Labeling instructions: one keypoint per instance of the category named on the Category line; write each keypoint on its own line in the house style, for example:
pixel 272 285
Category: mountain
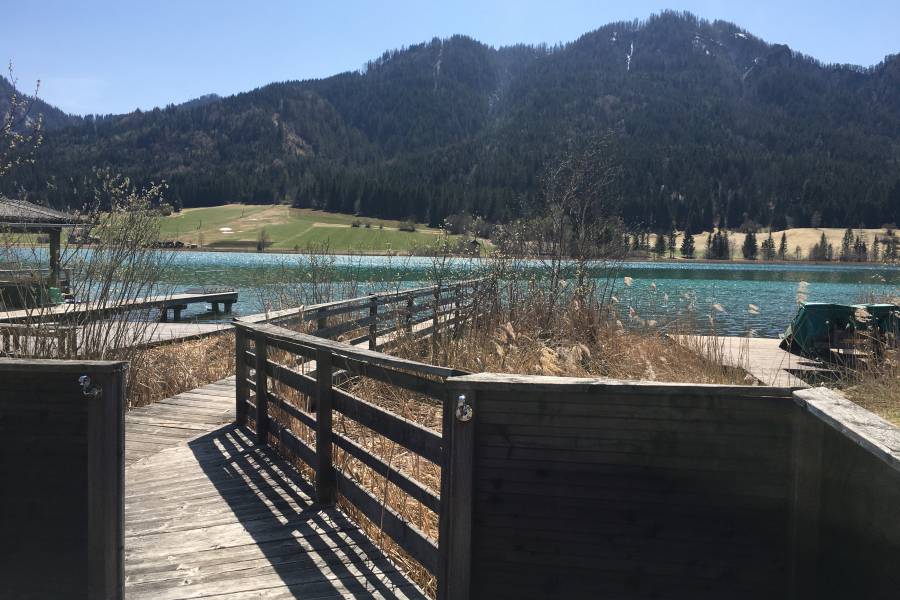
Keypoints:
pixel 710 124
pixel 53 117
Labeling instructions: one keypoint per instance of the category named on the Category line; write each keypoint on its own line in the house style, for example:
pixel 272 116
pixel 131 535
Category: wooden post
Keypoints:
pixel 262 400
pixel 106 486
pixel 437 306
pixel 55 235
pixel 241 389
pixel 456 304
pixel 805 501
pixel 322 320
pixel 325 478
pixel 373 326
pixel 455 527
pixel 409 314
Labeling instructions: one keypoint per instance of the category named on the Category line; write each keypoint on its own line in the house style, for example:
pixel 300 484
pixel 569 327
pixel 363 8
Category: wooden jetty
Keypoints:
pixel 82 310
pixel 760 357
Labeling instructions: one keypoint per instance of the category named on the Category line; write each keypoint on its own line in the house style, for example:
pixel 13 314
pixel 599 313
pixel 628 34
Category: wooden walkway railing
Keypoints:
pixel 279 399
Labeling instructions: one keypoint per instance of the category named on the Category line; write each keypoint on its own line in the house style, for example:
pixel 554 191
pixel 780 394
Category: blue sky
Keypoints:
pixel 98 56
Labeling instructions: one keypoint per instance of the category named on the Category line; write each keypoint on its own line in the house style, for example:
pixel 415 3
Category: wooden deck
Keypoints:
pixel 760 357
pixel 208 513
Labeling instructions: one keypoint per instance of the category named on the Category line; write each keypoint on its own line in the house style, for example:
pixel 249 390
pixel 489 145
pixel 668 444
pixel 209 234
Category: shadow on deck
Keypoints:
pixel 221 517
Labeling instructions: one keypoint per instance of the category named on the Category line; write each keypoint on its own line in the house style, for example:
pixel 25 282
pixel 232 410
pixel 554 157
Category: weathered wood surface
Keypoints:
pixel 61 470
pixel 222 517
pixel 174 421
pixel 592 488
pixel 850 543
pixel 761 357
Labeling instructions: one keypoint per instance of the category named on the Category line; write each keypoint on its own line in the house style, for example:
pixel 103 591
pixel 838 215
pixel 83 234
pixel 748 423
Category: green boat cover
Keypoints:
pixel 817 324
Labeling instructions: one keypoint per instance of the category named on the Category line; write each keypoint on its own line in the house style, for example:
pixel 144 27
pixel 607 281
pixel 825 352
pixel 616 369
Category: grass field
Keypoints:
pixel 237 226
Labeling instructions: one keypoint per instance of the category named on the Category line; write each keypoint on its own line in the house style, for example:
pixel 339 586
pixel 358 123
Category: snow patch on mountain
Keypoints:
pixel 628 57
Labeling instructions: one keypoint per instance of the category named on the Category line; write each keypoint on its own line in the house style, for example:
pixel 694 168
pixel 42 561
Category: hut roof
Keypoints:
pixel 26 215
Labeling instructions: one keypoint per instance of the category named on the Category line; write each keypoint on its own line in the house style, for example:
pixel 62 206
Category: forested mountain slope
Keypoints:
pixel 711 124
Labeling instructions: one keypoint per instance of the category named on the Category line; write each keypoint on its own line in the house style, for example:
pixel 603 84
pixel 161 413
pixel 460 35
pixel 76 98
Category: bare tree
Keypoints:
pixel 21 131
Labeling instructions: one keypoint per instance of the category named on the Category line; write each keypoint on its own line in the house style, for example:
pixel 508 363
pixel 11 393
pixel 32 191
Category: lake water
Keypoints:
pixel 666 292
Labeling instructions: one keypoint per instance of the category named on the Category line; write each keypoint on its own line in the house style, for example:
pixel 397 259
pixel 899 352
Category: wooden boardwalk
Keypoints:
pixel 760 357
pixel 210 514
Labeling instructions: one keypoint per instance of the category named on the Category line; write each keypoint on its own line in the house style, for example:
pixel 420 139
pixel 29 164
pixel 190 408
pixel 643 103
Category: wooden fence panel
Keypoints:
pixel 62 473
pixel 584 490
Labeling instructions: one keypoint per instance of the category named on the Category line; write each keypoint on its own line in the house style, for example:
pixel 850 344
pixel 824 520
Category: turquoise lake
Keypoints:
pixel 666 292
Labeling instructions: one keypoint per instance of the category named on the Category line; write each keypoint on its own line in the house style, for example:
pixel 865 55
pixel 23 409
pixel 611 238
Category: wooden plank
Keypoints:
pixel 404 533
pixel 412 382
pixel 262 388
pixel 105 488
pixel 281 404
pixel 241 373
pixel 412 487
pixel 805 497
pixel 455 566
pixel 868 430
pixel 325 472
pixel 294 444
pixel 409 434
pixel 278 335
pixel 336 330
pixel 598 385
pixel 294 379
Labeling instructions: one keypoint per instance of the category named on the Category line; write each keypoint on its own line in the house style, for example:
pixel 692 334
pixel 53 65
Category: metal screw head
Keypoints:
pixel 464 410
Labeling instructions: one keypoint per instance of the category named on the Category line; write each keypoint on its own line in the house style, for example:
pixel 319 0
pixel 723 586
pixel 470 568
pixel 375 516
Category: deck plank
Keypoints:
pixel 760 357
pixel 210 514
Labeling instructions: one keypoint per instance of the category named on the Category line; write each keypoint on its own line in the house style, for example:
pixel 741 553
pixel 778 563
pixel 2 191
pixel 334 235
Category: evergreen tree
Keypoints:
pixel 783 246
pixel 847 245
pixel 687 245
pixel 822 250
pixel 768 248
pixel 673 240
pixel 750 249
pixel 860 249
pixel 719 247
pixel 659 248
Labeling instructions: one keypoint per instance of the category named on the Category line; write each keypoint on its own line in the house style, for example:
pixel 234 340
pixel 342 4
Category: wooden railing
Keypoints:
pixel 381 314
pixel 291 402
pixel 46 340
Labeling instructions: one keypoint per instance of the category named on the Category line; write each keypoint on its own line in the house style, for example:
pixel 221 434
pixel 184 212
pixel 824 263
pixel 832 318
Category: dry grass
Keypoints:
pixel 879 393
pixel 170 369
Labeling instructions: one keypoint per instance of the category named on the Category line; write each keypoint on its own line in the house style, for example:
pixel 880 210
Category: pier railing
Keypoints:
pixel 287 390
pixel 420 311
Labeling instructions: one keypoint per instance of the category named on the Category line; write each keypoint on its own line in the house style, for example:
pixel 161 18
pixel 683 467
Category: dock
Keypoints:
pixel 67 313
pixel 762 358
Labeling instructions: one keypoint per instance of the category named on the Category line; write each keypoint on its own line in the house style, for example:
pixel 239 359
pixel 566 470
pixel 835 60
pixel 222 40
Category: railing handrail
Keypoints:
pixel 283 338
pixel 384 298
